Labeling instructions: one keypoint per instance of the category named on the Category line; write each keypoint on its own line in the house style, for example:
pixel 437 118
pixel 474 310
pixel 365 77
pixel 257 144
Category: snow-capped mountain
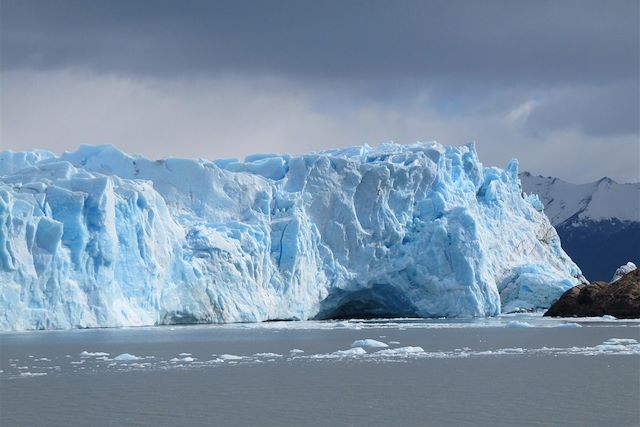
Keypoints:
pixel 598 222
pixel 97 237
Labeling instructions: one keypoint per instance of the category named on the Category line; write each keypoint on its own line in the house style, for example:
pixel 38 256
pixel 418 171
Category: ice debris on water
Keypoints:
pixel 100 238
pixel 350 352
pixel 93 354
pixel 124 357
pixel 230 357
pixel 400 351
pixel 569 325
pixel 182 359
pixel 518 324
pixel 369 343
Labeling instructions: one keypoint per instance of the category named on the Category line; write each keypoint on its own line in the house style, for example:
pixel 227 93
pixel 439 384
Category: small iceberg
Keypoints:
pixel 400 351
pixel 357 351
pixel 230 357
pixel 518 324
pixel 124 357
pixel 93 354
pixel 369 343
pixel 183 359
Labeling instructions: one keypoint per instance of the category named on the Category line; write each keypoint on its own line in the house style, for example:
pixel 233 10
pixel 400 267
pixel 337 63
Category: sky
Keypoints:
pixel 555 84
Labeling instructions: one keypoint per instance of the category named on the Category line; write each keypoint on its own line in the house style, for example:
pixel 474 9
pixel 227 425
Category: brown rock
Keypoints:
pixel 620 299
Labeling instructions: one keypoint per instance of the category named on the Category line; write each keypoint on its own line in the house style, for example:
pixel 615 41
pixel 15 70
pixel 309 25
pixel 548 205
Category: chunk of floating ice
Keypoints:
pixel 618 346
pixel 368 343
pixel 400 351
pixel 569 325
pixel 518 324
pixel 230 357
pixel 183 359
pixel 351 352
pixel 126 357
pixel 93 354
pixel 394 342
pixel 32 374
pixel 184 354
pixel 623 341
pixel 347 325
pixel 267 355
pixel 139 365
pixel 296 351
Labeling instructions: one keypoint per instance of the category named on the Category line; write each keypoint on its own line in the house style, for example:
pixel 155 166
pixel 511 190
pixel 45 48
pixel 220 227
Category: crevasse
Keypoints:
pixel 99 238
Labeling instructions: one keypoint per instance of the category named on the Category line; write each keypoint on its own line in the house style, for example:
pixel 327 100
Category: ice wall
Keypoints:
pixel 96 237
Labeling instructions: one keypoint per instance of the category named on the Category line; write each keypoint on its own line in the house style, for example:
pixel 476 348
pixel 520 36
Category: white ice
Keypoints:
pixel 230 357
pixel 93 354
pixel 126 357
pixel 99 238
pixel 350 352
pixel 368 343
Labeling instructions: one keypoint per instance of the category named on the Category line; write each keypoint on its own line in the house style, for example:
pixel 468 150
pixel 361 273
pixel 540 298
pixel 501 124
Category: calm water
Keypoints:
pixel 522 370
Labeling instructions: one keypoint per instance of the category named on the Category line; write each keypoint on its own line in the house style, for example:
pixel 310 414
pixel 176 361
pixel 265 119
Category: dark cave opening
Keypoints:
pixel 378 301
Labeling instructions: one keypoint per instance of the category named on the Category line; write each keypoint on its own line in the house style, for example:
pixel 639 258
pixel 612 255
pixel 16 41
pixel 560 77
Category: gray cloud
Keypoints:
pixel 229 117
pixel 595 110
pixel 490 42
pixel 543 81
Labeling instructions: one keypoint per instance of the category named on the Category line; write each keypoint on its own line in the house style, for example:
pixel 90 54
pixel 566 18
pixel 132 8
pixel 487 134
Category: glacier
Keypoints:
pixel 100 238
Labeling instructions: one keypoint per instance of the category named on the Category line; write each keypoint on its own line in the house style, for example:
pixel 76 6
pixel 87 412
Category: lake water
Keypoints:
pixel 513 370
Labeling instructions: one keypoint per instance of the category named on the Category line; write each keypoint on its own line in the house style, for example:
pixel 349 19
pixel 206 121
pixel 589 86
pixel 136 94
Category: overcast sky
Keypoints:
pixel 555 84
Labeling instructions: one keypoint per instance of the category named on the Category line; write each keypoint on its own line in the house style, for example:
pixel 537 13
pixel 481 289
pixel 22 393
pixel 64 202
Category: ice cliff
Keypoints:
pixel 97 237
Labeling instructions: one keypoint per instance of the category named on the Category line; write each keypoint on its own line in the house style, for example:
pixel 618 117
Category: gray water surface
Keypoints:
pixel 508 371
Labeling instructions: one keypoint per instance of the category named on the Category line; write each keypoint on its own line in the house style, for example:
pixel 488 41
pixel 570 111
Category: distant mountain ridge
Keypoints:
pixel 598 222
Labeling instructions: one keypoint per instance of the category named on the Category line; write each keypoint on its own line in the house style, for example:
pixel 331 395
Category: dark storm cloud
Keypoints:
pixel 451 43
pixel 598 111
pixel 554 83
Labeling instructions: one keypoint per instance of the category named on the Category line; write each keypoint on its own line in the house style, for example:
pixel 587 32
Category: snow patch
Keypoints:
pixel 622 270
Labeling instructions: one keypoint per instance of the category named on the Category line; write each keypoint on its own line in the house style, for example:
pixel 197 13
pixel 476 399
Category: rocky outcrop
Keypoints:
pixel 620 299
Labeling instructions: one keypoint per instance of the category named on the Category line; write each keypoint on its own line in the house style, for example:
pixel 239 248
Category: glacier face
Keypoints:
pixel 97 238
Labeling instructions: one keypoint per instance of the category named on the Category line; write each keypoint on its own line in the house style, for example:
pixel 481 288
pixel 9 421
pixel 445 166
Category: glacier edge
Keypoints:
pixel 99 238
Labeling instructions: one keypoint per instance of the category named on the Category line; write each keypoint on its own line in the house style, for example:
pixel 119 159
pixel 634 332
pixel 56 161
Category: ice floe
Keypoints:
pixel 369 343
pixel 230 357
pixel 124 357
pixel 93 354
